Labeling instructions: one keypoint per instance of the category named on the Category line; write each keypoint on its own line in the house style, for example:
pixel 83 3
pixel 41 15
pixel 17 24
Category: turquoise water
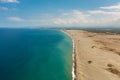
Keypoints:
pixel 29 54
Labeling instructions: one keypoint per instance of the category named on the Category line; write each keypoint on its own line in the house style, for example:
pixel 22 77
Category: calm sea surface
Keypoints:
pixel 29 54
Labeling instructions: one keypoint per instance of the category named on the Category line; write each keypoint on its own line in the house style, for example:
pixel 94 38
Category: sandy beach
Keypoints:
pixel 97 55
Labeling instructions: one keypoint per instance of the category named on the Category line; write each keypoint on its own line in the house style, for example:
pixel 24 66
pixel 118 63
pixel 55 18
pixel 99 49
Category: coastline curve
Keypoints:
pixel 73 57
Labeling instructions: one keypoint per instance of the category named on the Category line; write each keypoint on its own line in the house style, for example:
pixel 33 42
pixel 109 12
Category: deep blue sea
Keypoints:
pixel 34 54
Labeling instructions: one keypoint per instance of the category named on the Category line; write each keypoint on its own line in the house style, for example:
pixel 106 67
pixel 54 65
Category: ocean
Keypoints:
pixel 35 54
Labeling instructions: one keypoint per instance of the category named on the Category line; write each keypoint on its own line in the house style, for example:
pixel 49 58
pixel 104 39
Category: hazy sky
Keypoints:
pixel 95 13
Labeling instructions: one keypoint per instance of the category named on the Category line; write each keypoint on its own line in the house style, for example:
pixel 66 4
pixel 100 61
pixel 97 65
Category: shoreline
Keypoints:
pixel 73 56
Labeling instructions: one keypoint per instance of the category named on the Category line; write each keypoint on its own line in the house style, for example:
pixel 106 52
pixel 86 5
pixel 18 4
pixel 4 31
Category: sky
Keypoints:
pixel 67 13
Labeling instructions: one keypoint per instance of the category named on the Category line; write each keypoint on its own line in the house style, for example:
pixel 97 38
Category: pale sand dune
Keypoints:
pixel 97 55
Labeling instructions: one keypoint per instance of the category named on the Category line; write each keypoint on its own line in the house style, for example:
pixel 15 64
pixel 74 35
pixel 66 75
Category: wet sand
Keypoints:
pixel 97 55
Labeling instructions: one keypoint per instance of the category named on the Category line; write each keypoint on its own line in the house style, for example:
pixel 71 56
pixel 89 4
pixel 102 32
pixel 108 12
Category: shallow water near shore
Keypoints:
pixel 30 54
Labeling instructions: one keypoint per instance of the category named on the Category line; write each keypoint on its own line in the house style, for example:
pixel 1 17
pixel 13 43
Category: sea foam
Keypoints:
pixel 73 56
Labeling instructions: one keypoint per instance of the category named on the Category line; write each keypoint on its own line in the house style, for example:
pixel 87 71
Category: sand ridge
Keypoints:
pixel 97 55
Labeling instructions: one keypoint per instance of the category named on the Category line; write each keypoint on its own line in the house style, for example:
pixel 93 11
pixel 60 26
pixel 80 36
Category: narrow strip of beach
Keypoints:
pixel 96 55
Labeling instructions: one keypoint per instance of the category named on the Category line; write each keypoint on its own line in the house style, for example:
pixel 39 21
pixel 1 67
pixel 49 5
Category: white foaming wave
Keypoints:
pixel 73 57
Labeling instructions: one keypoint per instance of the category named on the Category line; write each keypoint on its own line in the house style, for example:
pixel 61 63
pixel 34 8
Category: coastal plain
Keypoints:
pixel 97 55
